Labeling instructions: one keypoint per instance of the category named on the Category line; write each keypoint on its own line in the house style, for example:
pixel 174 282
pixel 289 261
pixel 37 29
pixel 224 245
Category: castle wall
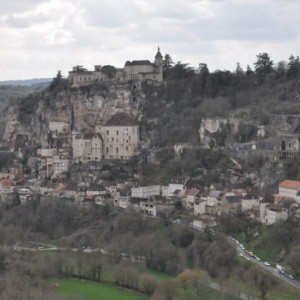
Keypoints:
pixel 137 70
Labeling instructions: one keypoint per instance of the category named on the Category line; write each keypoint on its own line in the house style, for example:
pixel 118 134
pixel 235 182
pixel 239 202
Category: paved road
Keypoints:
pixel 269 269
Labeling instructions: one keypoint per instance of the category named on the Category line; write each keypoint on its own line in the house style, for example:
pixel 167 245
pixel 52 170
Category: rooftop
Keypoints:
pixel 138 63
pixel 121 119
pixel 290 184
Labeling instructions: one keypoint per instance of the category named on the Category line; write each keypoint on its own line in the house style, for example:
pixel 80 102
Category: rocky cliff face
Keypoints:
pixel 82 108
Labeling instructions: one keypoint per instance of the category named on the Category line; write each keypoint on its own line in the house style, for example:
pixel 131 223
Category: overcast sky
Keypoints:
pixel 40 37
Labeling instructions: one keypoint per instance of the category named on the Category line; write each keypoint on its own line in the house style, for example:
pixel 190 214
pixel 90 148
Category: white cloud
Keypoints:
pixel 39 37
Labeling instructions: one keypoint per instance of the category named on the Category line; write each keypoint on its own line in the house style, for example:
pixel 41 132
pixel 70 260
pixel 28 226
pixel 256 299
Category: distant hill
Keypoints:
pixel 12 90
pixel 27 82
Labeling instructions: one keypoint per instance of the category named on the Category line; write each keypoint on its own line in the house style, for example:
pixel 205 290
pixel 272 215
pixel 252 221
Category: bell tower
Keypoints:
pixel 158 63
pixel 158 58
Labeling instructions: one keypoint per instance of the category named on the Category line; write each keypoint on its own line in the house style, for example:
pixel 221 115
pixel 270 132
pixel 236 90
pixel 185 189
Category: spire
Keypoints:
pixel 158 54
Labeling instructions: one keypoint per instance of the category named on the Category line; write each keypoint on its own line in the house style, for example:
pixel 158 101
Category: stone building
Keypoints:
pixel 59 127
pixel 144 192
pixel 271 213
pixel 136 70
pixel 57 165
pixel 87 146
pixel 290 189
pixel 120 137
pixel 289 144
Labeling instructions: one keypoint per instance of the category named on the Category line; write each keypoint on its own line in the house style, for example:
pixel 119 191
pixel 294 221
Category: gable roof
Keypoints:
pixel 191 192
pixel 233 199
pixel 138 63
pixel 214 193
pixel 274 207
pixel 290 184
pixel 121 119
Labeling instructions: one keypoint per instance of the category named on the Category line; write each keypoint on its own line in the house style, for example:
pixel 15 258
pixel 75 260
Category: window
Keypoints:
pixel 117 132
pixel 107 132
pixel 112 139
pixel 117 150
pixel 107 149
pixel 126 148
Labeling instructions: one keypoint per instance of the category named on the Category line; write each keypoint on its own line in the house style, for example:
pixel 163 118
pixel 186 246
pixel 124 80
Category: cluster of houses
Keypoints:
pixel 117 139
pixel 204 204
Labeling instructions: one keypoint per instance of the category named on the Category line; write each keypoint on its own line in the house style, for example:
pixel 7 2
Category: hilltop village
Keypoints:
pixel 84 141
pixel 156 165
pixel 83 137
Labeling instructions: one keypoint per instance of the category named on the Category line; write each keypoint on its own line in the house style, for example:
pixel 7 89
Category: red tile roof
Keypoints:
pixel 7 182
pixel 290 184
pixel 191 192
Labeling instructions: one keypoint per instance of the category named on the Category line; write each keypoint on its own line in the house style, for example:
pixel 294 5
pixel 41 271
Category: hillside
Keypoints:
pixel 191 113
pixel 26 82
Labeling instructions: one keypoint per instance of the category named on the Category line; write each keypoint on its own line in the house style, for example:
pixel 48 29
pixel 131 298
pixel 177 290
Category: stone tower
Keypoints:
pixel 159 64
pixel 158 58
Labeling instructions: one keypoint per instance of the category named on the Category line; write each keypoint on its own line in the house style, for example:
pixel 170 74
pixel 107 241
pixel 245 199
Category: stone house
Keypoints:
pixel 288 144
pixel 148 207
pixel 271 213
pixel 144 192
pixel 136 70
pixel 213 203
pixel 205 221
pixel 231 203
pixel 87 146
pixel 250 202
pixel 200 207
pixel 122 202
pixel 290 189
pixel 121 137
pixel 190 196
pixel 60 165
pixel 168 191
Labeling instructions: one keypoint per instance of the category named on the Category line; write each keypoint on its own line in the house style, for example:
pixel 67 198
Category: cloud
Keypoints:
pixel 17 6
pixel 48 35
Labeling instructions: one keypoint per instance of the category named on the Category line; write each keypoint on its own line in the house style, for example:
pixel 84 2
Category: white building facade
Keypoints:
pixel 144 192
pixel 120 137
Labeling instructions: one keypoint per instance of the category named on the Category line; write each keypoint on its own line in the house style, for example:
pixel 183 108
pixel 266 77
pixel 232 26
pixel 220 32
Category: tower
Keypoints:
pixel 158 58
pixel 158 63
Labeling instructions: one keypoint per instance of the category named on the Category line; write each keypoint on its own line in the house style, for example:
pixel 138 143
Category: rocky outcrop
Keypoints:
pixel 82 108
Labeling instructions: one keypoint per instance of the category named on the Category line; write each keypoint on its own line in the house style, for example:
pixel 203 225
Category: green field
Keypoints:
pixel 95 291
pixel 159 275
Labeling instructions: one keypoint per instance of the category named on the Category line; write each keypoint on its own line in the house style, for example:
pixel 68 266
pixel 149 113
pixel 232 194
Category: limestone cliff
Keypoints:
pixel 82 108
